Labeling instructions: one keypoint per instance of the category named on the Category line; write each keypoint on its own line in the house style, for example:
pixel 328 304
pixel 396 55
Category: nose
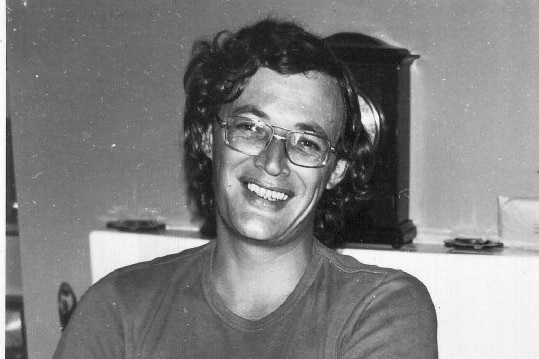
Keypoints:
pixel 274 160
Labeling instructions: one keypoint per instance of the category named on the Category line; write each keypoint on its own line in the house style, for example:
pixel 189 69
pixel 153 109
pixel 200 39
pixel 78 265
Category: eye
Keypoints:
pixel 309 143
pixel 243 124
pixel 246 127
pixel 305 143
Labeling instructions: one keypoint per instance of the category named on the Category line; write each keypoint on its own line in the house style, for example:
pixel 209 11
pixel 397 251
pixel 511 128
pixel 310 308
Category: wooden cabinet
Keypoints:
pixel 383 76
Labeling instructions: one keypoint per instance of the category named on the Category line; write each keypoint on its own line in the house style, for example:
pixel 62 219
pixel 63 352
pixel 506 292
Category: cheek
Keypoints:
pixel 315 183
pixel 225 168
pixel 219 153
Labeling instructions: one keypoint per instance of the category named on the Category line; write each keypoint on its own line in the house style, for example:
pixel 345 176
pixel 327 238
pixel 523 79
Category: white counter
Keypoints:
pixel 487 304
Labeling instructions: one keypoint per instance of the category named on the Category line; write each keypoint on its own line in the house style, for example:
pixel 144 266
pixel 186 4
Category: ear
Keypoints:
pixel 207 142
pixel 337 174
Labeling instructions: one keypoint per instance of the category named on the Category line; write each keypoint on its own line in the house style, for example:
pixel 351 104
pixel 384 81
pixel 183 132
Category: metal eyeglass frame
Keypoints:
pixel 223 124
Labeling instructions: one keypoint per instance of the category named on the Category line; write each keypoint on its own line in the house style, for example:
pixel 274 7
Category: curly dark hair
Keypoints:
pixel 218 73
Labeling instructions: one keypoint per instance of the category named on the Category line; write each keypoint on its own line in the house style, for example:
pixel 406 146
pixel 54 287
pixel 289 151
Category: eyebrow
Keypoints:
pixel 312 128
pixel 252 109
pixel 249 109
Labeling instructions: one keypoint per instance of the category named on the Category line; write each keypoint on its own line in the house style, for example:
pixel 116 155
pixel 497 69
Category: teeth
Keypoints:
pixel 266 193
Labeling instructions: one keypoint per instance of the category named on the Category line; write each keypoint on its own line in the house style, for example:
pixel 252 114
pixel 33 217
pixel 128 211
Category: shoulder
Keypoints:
pixel 161 265
pixel 381 312
pixel 116 311
pixel 371 283
pixel 142 281
pixel 345 267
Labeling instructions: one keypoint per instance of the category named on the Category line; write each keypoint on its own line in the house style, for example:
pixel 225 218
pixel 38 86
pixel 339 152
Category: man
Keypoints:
pixel 275 149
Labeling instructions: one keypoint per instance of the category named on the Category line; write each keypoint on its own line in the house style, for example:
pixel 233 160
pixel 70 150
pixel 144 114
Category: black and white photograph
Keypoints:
pixel 354 179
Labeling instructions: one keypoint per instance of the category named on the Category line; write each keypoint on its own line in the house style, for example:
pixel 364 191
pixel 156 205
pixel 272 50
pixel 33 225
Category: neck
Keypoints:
pixel 252 277
pixel 291 250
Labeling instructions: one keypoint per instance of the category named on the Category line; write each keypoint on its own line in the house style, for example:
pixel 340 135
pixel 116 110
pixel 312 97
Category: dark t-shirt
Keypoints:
pixel 167 308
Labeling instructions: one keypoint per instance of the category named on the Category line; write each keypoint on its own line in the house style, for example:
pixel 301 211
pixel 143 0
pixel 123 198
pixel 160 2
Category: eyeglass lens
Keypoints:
pixel 252 137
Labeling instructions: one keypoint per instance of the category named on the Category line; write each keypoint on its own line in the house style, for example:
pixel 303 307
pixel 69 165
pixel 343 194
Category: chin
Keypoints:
pixel 264 234
pixel 259 231
pixel 250 225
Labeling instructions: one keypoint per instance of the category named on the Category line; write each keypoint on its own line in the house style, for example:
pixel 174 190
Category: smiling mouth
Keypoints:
pixel 267 194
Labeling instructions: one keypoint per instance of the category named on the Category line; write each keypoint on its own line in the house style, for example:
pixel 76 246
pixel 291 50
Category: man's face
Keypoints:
pixel 267 197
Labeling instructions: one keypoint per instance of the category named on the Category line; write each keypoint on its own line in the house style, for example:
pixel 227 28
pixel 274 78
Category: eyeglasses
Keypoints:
pixel 252 137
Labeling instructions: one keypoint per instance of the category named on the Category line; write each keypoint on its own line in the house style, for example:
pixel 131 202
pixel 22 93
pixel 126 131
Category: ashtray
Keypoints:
pixel 137 225
pixel 472 243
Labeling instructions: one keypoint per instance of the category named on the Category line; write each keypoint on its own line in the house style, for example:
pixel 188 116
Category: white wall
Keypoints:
pixel 475 103
pixel 97 101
